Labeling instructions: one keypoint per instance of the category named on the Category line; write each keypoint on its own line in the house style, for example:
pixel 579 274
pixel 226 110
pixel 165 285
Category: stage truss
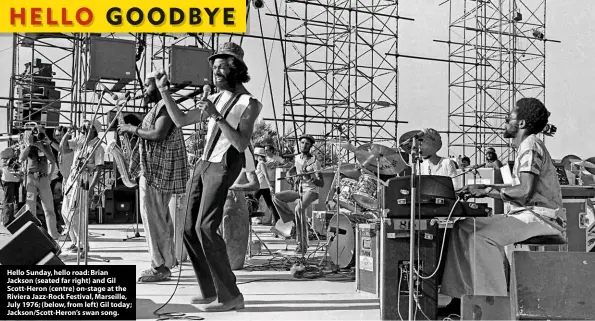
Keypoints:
pixel 340 82
pixel 498 53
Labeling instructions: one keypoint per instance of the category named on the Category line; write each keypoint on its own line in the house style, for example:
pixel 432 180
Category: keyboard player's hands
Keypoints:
pixel 473 191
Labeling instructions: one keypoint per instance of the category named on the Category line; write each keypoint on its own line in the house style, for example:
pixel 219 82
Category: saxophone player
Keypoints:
pixel 160 163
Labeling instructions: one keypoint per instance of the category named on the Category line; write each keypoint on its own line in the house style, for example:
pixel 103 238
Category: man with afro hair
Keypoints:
pixel 475 259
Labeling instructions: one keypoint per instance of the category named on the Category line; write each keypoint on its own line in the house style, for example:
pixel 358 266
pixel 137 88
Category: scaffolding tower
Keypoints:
pixel 497 52
pixel 339 80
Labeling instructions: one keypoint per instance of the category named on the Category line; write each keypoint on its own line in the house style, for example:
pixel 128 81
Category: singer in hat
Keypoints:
pixel 160 163
pixel 231 114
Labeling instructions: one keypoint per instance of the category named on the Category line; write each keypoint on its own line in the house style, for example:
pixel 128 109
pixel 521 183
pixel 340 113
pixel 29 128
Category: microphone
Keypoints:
pixel 416 136
pixel 206 91
pixel 478 166
pixel 122 96
pixel 115 96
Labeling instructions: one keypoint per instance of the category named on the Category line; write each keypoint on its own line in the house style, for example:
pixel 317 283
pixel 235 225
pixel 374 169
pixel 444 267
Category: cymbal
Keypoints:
pixel 349 170
pixel 431 142
pixel 373 156
pixel 584 163
pixel 567 161
pixel 590 160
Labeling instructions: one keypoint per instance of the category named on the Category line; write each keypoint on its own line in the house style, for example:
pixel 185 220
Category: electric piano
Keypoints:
pixel 436 197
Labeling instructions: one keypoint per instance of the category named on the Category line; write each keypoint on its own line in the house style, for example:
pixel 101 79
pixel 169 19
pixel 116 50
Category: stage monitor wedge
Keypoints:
pixel 190 66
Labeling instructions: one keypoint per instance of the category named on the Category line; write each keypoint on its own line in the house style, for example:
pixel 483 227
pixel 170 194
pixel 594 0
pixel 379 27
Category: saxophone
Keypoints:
pixel 122 154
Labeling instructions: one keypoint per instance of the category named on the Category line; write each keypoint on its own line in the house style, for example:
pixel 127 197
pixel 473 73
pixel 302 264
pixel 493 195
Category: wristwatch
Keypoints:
pixel 218 117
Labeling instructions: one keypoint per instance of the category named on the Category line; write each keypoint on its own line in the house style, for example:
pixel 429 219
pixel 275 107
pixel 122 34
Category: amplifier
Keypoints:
pixel 367 258
pixel 580 224
pixel 552 286
pixel 394 269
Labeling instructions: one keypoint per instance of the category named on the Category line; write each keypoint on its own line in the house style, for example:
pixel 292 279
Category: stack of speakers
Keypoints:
pixel 38 101
pixel 29 243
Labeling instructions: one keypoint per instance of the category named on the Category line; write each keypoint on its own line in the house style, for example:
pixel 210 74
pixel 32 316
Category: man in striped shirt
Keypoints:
pixel 474 263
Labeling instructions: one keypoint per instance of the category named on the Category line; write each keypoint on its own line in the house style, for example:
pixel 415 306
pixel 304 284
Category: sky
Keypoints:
pixel 423 85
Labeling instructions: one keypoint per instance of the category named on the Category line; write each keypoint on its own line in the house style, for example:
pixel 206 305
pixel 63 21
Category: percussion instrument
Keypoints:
pixel 431 142
pixel 365 192
pixel 381 159
pixel 585 164
pixel 341 230
pixel 235 228
pixel 591 170
pixel 568 160
pixel 347 187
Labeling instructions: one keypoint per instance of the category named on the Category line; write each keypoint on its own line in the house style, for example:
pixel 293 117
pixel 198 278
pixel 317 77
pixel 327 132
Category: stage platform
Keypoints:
pixel 269 294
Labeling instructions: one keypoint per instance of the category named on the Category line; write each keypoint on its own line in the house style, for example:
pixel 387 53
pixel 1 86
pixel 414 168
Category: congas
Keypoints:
pixel 341 229
pixel 346 188
pixel 365 192
pixel 235 228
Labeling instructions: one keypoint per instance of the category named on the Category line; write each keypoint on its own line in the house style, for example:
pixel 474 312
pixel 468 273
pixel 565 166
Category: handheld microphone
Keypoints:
pixel 206 91
pixel 122 96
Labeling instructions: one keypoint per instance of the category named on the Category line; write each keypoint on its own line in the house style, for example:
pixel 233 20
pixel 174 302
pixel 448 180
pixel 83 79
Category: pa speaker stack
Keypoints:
pixel 29 244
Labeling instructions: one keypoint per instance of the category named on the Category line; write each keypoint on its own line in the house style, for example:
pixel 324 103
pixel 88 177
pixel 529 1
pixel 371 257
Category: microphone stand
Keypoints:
pixel 415 161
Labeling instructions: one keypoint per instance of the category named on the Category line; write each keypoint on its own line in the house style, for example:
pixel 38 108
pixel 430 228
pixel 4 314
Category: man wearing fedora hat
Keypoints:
pixel 232 112
pixel 307 192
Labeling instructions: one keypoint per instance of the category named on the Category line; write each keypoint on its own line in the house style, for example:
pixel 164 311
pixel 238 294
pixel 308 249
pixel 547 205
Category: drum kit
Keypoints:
pixel 356 194
pixel 582 170
pixel 357 189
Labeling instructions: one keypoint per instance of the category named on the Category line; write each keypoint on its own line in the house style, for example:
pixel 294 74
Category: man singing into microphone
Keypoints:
pixel 160 163
pixel 232 113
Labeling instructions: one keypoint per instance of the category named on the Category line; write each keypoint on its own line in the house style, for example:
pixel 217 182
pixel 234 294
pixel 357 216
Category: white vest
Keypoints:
pixel 233 119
